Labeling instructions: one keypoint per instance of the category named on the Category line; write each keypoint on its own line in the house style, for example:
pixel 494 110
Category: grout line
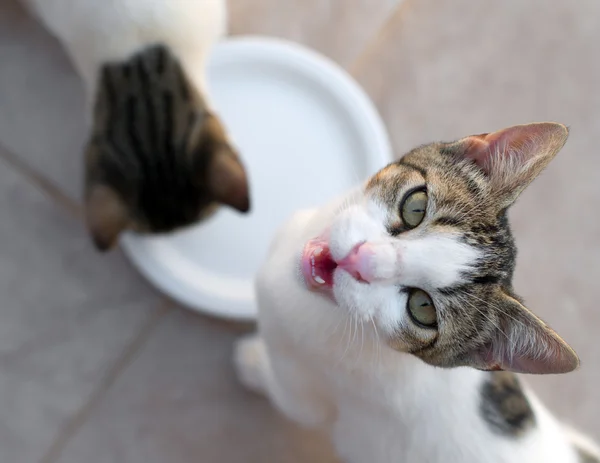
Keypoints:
pixel 40 181
pixel 376 38
pixel 123 361
pixel 237 326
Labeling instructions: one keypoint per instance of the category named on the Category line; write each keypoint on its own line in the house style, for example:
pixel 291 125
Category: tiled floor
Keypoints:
pixel 96 367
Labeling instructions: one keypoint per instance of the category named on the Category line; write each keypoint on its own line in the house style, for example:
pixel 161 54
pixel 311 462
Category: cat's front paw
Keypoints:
pixel 251 363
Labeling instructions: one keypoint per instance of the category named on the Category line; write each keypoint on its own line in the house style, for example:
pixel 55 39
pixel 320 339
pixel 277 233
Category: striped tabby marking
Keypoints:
pixel 504 406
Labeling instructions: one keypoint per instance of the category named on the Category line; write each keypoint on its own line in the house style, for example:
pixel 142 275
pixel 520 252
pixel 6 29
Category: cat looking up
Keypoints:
pixel 158 158
pixel 388 317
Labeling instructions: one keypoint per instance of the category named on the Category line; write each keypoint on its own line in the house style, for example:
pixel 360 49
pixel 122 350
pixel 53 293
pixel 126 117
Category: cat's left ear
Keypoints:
pixel 227 181
pixel 522 343
pixel 106 216
pixel 225 175
pixel 513 157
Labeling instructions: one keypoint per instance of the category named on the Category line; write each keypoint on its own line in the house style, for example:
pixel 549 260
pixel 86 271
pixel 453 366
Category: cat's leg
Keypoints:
pixel 252 363
pixel 285 383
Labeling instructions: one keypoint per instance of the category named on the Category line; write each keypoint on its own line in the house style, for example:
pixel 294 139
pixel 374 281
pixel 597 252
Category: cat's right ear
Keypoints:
pixel 106 216
pixel 225 175
pixel 522 343
pixel 228 183
pixel 511 158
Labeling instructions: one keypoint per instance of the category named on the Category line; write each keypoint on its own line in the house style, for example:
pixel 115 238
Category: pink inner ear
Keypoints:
pixel 495 147
pixel 544 353
pixel 478 150
pixel 520 142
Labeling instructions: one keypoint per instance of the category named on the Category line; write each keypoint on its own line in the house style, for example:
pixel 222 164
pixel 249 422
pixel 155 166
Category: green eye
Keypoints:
pixel 421 308
pixel 413 208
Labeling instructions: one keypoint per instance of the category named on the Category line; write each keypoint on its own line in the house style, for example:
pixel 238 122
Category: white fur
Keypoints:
pixel 418 259
pixel 325 365
pixel 96 31
pixel 434 260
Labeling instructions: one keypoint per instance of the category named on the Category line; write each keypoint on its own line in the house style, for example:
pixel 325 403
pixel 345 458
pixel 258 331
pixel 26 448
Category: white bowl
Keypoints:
pixel 306 133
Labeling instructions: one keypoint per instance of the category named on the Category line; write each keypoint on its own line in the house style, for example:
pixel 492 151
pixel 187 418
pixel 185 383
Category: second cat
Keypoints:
pixel 158 157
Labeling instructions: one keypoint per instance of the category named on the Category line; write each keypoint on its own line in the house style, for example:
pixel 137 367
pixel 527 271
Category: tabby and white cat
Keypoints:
pixel 389 318
pixel 158 158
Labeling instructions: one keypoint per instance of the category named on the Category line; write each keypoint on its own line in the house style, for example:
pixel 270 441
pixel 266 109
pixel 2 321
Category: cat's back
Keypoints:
pixel 95 31
pixel 144 17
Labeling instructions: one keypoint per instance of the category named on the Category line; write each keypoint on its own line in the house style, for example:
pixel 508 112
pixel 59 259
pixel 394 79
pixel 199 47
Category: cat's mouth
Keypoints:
pixel 318 265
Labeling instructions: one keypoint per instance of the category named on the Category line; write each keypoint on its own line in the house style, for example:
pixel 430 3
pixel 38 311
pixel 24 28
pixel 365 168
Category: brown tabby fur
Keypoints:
pixel 504 405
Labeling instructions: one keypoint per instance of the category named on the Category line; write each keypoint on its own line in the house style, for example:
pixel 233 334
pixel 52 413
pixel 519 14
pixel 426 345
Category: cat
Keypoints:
pixel 158 158
pixel 388 317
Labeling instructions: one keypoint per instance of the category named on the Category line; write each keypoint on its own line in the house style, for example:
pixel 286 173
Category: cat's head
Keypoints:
pixel 428 255
pixel 158 159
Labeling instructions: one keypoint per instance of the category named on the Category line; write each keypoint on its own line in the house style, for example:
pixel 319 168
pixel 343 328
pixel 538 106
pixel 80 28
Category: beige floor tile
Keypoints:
pixel 338 28
pixel 41 100
pixel 179 402
pixel 443 70
pixel 44 387
pixel 51 277
pixel 66 315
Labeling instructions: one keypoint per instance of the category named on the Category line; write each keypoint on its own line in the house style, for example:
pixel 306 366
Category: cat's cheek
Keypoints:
pixel 366 301
pixel 379 212
pixel 391 317
pixel 398 343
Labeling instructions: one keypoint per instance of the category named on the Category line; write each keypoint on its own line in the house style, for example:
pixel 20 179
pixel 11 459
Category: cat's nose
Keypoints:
pixel 372 262
pixel 360 262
